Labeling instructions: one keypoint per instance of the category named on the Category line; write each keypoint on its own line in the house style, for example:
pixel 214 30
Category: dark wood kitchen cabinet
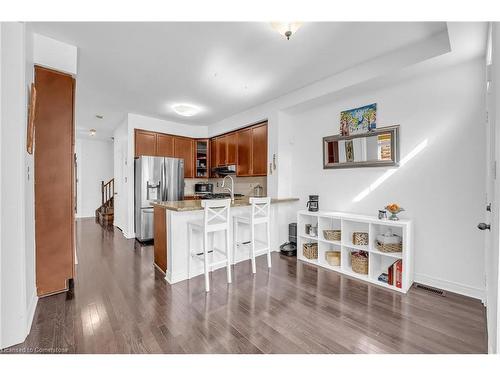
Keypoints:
pixel 231 148
pixel 244 165
pixel 145 143
pixel 184 149
pixel 164 145
pixel 54 181
pixel 213 156
pixel 221 144
pixel 259 150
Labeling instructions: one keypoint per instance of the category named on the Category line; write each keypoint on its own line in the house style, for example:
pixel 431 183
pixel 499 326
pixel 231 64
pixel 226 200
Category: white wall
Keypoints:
pixel 15 295
pixel 95 164
pixel 54 54
pixel 441 187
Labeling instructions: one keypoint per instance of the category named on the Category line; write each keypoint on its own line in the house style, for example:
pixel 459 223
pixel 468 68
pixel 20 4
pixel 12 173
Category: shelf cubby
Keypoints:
pixel 378 262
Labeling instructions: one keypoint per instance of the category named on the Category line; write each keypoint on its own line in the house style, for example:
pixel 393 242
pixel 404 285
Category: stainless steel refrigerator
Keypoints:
pixel 156 178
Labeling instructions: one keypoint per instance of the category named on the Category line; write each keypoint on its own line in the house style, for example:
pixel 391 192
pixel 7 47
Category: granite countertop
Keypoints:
pixel 194 205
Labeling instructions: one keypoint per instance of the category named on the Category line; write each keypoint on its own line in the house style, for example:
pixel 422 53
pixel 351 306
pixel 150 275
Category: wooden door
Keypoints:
pixel 213 156
pixel 145 143
pixel 244 162
pixel 184 149
pixel 54 172
pixel 231 148
pixel 259 150
pixel 164 145
pixel 221 150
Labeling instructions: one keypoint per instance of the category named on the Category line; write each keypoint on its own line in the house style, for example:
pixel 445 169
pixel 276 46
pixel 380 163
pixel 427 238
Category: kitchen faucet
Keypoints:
pixel 231 189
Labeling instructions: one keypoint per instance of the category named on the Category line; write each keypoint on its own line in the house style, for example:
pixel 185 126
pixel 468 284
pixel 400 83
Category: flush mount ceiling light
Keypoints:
pixel 286 28
pixel 186 110
pixel 100 117
pixel 92 132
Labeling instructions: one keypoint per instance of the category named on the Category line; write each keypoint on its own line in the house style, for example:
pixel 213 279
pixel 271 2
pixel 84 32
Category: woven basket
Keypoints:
pixel 359 263
pixel 310 250
pixel 333 258
pixel 332 234
pixel 389 247
pixel 360 238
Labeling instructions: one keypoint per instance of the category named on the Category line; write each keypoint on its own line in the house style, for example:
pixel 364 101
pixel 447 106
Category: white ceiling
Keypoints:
pixel 222 67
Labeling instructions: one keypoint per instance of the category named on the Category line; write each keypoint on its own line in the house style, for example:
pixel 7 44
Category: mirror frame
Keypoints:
pixel 394 162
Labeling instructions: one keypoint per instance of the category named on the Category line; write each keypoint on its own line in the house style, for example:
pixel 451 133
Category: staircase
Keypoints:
pixel 105 213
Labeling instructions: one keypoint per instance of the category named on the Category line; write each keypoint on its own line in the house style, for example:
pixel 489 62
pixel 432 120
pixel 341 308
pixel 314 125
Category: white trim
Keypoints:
pixel 128 236
pixel 451 286
pixel 31 312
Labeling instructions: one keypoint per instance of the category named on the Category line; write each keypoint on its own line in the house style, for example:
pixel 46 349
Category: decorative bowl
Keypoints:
pixel 394 209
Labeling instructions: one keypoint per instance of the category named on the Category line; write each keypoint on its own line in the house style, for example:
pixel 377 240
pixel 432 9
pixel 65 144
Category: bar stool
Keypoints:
pixel 259 215
pixel 215 219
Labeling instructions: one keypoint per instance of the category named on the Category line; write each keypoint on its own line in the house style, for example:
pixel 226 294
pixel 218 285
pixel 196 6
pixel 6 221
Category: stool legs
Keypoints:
pixel 205 259
pixel 268 244
pixel 252 246
pixel 228 256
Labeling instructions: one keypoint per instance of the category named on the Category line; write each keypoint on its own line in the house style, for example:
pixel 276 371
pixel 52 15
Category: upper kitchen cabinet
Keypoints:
pixel 164 145
pixel 145 143
pixel 213 156
pixel 231 148
pixel 244 165
pixel 202 157
pixel 259 150
pixel 221 145
pixel 184 149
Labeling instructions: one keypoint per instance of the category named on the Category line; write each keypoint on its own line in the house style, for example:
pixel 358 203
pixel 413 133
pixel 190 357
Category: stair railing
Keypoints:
pixel 107 192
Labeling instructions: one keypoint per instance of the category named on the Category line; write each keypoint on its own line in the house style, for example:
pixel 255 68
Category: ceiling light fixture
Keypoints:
pixel 286 28
pixel 186 110
pixel 100 117
pixel 92 132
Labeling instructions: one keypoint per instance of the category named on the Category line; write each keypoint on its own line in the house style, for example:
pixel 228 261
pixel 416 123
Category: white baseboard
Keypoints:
pixel 128 236
pixel 451 286
pixel 31 312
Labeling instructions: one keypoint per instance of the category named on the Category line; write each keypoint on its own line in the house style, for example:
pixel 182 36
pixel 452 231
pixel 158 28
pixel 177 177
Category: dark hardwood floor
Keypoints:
pixel 121 304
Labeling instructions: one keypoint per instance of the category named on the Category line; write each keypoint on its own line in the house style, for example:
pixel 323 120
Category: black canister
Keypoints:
pixel 313 203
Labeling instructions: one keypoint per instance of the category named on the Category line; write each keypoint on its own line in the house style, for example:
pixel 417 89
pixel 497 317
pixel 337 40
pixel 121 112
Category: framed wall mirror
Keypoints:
pixel 377 148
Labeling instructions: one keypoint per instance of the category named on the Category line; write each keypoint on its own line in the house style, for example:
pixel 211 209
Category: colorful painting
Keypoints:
pixel 358 120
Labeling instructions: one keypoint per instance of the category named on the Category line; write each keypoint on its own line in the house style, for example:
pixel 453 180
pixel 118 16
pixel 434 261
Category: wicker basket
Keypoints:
pixel 310 250
pixel 333 258
pixel 359 263
pixel 360 238
pixel 389 247
pixel 331 234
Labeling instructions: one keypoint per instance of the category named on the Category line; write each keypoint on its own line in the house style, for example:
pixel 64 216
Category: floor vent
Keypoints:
pixel 432 290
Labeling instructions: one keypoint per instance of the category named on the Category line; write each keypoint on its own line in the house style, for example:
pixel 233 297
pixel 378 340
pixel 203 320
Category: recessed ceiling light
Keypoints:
pixel 100 117
pixel 186 109
pixel 286 28
pixel 92 132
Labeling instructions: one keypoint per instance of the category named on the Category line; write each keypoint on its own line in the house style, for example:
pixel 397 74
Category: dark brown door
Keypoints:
pixel 231 142
pixel 244 138
pixel 145 143
pixel 259 150
pixel 184 149
pixel 164 145
pixel 221 150
pixel 213 156
pixel 54 211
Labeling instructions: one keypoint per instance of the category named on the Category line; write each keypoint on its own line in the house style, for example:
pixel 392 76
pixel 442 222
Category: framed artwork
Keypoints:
pixel 31 120
pixel 358 120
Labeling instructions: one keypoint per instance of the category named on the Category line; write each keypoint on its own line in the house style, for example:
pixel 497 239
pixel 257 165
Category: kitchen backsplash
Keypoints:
pixel 242 185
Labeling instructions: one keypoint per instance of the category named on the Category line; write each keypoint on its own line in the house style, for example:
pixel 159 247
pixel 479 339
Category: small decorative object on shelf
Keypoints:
pixel 382 214
pixel 333 258
pixel 383 277
pixel 389 242
pixel 332 234
pixel 359 262
pixel 360 238
pixel 313 231
pixel 310 250
pixel 394 209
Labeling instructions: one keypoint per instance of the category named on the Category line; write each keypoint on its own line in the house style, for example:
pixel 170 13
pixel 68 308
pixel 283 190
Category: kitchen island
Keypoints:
pixel 171 252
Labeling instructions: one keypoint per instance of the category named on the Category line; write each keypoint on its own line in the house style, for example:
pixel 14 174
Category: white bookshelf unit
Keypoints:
pixel 378 261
